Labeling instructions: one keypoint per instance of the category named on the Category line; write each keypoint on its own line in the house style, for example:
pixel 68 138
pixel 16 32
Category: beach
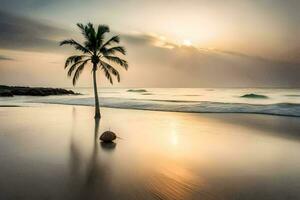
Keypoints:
pixel 149 100
pixel 53 152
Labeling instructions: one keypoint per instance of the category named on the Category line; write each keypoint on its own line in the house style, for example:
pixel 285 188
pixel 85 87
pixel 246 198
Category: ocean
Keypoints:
pixel 285 102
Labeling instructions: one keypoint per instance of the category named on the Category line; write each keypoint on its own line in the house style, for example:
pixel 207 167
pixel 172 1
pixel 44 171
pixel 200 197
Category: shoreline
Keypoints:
pixel 254 120
pixel 227 101
pixel 154 110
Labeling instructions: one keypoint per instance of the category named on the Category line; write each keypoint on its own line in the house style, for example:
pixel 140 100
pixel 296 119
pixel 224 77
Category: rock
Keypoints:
pixel 6 93
pixel 254 96
pixel 36 92
pixel 108 136
pixel 19 92
pixel 136 90
pixel 33 91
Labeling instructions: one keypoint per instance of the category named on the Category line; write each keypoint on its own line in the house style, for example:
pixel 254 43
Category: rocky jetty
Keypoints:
pixel 10 91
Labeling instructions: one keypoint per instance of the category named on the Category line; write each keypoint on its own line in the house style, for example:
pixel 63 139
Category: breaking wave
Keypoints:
pixel 283 109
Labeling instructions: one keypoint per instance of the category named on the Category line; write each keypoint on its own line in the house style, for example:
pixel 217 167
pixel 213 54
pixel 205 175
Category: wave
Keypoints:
pixel 282 109
pixel 292 95
pixel 167 100
pixel 189 95
pixel 147 93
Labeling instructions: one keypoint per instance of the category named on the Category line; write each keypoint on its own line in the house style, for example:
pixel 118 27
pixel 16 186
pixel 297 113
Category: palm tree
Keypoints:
pixel 99 52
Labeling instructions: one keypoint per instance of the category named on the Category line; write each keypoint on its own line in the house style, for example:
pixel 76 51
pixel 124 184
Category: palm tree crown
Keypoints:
pixel 97 51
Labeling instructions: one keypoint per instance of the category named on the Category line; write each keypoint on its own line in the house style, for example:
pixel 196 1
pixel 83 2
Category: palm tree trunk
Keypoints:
pixel 97 107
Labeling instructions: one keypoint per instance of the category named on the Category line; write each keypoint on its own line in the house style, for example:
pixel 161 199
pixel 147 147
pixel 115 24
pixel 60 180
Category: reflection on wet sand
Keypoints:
pixel 87 177
pixel 174 181
pixel 108 146
pixel 170 181
pixel 161 155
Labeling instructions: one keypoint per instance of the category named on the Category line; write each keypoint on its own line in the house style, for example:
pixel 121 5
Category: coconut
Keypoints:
pixel 108 136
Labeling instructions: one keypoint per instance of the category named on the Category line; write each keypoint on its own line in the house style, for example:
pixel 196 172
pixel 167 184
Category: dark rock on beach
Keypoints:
pixel 9 91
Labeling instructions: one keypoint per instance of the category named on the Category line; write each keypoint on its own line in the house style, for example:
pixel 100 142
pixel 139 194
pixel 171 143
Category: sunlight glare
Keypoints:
pixel 187 42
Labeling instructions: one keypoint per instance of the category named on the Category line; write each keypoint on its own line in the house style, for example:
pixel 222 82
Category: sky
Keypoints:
pixel 191 43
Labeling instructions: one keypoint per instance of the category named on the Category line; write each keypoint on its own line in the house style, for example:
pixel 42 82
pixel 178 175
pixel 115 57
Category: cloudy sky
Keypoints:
pixel 182 43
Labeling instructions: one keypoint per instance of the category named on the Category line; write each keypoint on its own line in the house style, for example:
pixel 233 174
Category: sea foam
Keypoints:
pixel 283 109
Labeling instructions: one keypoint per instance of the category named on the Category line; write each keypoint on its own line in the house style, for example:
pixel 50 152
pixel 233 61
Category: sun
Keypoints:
pixel 187 42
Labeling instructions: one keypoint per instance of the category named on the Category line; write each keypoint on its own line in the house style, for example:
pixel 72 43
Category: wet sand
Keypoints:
pixel 53 152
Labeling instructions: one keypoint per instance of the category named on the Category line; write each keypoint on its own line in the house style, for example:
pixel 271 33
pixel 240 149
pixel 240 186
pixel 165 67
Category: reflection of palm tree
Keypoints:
pixel 91 168
pixel 74 151
pixel 97 51
pixel 87 178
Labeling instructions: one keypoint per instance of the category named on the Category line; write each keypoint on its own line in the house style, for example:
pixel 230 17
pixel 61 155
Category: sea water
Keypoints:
pixel 278 101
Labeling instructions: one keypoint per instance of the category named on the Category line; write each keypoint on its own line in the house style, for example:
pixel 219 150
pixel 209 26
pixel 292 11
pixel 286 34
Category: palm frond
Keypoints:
pixel 102 29
pixel 112 40
pixel 73 59
pixel 86 30
pixel 75 65
pixel 79 71
pixel 73 68
pixel 76 45
pixel 89 33
pixel 107 74
pixel 92 35
pixel 81 27
pixel 89 45
pixel 110 69
pixel 113 50
pixel 117 60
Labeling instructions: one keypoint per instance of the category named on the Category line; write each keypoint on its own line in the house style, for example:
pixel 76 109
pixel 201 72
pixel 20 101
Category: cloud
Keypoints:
pixel 162 42
pixel 157 62
pixel 184 66
pixel 22 33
